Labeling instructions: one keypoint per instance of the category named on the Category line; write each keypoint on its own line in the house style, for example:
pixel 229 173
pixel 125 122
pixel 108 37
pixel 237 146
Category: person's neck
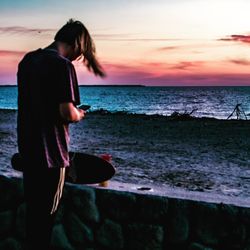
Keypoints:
pixel 53 46
pixel 60 48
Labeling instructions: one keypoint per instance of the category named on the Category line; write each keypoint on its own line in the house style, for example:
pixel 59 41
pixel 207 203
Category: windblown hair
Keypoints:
pixel 76 34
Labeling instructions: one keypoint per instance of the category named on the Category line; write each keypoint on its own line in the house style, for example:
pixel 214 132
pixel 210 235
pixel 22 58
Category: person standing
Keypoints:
pixel 48 96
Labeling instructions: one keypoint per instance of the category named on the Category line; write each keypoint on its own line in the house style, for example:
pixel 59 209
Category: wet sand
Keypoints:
pixel 206 155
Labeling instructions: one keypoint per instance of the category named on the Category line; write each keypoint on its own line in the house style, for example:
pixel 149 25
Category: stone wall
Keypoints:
pixel 101 218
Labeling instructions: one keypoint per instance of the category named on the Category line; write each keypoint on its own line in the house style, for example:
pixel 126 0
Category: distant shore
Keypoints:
pixel 92 85
pixel 142 85
pixel 198 154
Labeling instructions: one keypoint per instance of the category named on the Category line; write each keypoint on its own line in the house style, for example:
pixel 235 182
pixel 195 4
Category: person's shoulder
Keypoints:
pixel 28 57
pixel 30 54
pixel 58 59
pixel 64 63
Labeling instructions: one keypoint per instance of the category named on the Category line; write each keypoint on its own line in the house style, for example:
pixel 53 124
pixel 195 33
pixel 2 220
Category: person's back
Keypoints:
pixel 44 79
pixel 47 102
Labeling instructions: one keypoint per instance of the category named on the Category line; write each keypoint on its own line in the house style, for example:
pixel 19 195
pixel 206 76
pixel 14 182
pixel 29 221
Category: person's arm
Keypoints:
pixel 70 113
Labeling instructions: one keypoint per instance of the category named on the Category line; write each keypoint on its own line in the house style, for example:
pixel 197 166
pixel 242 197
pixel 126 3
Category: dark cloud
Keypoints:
pixel 148 39
pixel 186 65
pixel 123 70
pixel 240 61
pixel 24 30
pixel 107 37
pixel 168 48
pixel 237 38
pixel 111 36
pixel 147 73
pixel 129 38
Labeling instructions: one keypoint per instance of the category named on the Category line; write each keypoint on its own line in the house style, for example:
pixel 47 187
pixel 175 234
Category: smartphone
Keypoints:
pixel 84 107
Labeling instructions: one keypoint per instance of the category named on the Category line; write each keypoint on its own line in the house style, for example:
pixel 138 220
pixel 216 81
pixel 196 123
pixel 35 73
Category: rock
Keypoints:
pixel 10 244
pixel 233 236
pixel 83 203
pixel 78 233
pixel 177 229
pixel 59 214
pixel 18 183
pixel 233 231
pixel 229 212
pixel 150 208
pixel 197 246
pixel 11 192
pixel 119 206
pixel 59 238
pixel 63 206
pixel 110 235
pixel 6 219
pixel 66 194
pixel 244 216
pixel 20 221
pixel 218 225
pixel 206 223
pixel 177 224
pixel 143 236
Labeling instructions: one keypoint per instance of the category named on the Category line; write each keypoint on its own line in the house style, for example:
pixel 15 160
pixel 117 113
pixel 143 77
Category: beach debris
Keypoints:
pixel 101 111
pixel 122 112
pixel 185 115
pixel 239 112
pixel 144 189
pixel 231 191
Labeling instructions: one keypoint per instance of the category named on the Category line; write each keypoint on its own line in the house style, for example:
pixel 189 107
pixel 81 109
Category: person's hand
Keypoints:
pixel 70 113
pixel 81 113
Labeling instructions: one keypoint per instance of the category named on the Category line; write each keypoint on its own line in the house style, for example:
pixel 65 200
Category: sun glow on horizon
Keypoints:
pixel 144 42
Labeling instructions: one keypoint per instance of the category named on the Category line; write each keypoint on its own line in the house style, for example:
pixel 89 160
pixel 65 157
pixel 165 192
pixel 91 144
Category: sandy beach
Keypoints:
pixel 206 155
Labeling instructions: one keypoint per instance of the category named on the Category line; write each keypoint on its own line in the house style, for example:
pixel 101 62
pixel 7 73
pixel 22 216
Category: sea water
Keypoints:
pixel 217 102
pixel 227 171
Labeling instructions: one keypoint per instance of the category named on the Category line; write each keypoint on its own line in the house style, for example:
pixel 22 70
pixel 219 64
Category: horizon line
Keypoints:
pixel 139 85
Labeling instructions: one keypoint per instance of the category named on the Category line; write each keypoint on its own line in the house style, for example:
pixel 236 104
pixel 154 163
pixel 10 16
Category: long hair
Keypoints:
pixel 76 34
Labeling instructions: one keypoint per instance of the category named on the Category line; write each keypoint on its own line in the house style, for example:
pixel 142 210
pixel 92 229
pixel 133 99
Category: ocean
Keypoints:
pixel 207 155
pixel 217 102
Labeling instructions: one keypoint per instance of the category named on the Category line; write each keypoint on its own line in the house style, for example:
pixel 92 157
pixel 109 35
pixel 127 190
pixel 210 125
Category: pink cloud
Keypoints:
pixel 6 53
pixel 146 75
pixel 200 80
pixel 9 61
pixel 156 73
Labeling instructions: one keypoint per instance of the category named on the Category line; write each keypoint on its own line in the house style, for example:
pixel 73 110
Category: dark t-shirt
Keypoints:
pixel 45 79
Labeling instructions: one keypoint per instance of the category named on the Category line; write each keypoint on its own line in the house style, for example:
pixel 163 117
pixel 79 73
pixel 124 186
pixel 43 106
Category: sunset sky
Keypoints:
pixel 149 42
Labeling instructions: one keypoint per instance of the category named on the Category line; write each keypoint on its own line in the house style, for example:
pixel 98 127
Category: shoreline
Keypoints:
pixel 205 155
pixel 182 117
